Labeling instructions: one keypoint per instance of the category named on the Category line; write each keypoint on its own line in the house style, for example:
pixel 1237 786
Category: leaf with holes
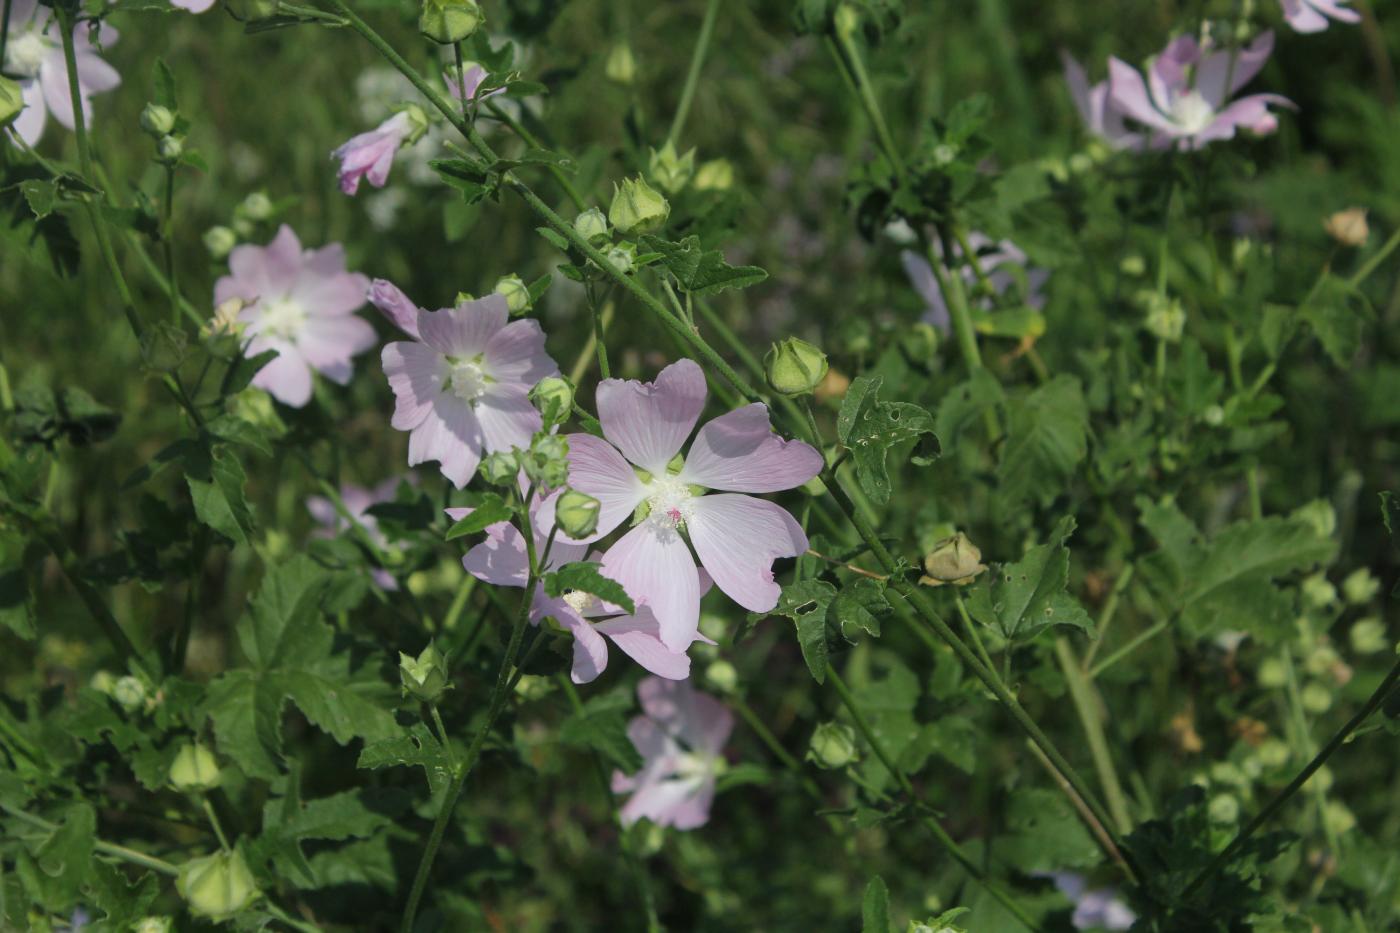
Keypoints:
pixel 869 428
pixel 1022 599
pixel 807 604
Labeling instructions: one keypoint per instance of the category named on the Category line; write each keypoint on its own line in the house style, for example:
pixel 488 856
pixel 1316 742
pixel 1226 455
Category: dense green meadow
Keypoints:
pixel 1034 565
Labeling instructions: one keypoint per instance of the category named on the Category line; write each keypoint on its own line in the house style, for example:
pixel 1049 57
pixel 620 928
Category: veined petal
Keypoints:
pixel 395 305
pixel 649 421
pixel 739 452
pixel 1128 93
pixel 415 375
pixel 737 538
pixel 516 353
pixel 656 569
pixel 507 418
pixel 466 329
pixel 287 378
pixel 639 637
pixel 596 468
pixel 450 435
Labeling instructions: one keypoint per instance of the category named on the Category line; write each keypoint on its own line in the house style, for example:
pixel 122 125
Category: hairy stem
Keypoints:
pixel 692 76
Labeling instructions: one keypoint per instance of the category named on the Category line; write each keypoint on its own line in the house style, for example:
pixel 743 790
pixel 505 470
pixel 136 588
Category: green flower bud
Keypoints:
pixel 833 745
pixel 1339 819
pixel 169 149
pixel 517 295
pixel 637 207
pixel 546 463
pixel 622 257
pixel 715 175
pixel 620 65
pixel 577 513
pixel 554 397
pixel 1227 772
pixel 1223 808
pixel 1133 265
pixel 671 171
pixel 157 121
pixel 129 693
pixel 1321 660
pixel 103 682
pixel 194 768
pixel 722 677
pixel 794 367
pixel 1165 319
pixel 1272 673
pixel 1316 698
pixel 533 687
pixel 954 560
pixel 1320 514
pixel 220 241
pixel 500 468
pixel 449 21
pixel 217 886
pixel 592 226
pixel 1080 162
pixel 425 676
pixel 847 20
pixel 1318 591
pixel 11 101
pixel 256 206
pixel 1359 588
pixel 1368 636
pixel 153 925
pixel 462 298
pixel 1273 753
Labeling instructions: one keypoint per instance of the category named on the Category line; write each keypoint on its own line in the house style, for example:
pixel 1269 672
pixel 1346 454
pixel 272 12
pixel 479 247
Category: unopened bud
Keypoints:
pixel 715 175
pixel 1368 636
pixel 794 367
pixel 1359 588
pixel 1165 319
pixel 722 676
pixel 833 745
pixel 425 676
pixel 1315 698
pixel 220 241
pixel 546 463
pixel 622 257
pixel 577 513
pixel 954 560
pixel 129 693
pixel 637 207
pixel 156 120
pixel 194 768
pixel 1272 673
pixel 1348 227
pixel 217 886
pixel 500 468
pixel 449 21
pixel 554 397
pixel 155 924
pixel 169 149
pixel 256 206
pixel 533 687
pixel 1223 808
pixel 621 66
pixel 670 170
pixel 516 293
pixel 592 226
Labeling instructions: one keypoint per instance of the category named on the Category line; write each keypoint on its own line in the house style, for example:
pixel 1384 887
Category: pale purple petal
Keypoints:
pixel 287 377
pixel 328 343
pixel 738 538
pixel 415 375
pixel 649 421
pixel 396 306
pixel 1213 70
pixel 697 719
pixel 466 329
pixel 193 6
pixel 639 637
pixel 596 468
pixel 508 420
pixel 590 649
pixel 655 567
pixel 516 353
pixel 501 559
pixel 920 273
pixel 739 452
pixel 29 125
pixel 450 435
pixel 1128 93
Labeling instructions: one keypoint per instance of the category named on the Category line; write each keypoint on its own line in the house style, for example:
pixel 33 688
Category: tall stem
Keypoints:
pixel 845 40
pixel 692 76
pixel 168 243
pixel 1086 706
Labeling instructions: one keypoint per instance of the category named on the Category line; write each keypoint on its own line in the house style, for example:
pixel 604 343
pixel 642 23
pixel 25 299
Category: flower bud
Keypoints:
pixel 194 768
pixel 1273 753
pixel 153 925
pixel 833 745
pixel 500 468
pixel 715 175
pixel 129 693
pixel 517 295
pixel 794 367
pixel 103 681
pixel 1315 697
pixel 546 463
pixel 449 21
pixel 1133 265
pixel 847 20
pixel 554 397
pixel 1339 819
pixel 533 687
pixel 156 120
pixel 1359 588
pixel 954 560
pixel 637 207
pixel 852 334
pixel 722 677
pixel 425 676
pixel 1318 591
pixel 1223 808
pixel 1272 673
pixel 169 149
pixel 11 101
pixel 1348 227
pixel 592 226
pixel 1368 636
pixel 577 513
pixel 256 206
pixel 220 241
pixel 217 886
pixel 671 171
pixel 622 257
pixel 1320 514
pixel 621 66
pixel 1165 319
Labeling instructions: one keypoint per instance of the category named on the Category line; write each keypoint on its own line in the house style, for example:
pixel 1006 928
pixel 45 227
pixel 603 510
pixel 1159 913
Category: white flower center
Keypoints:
pixel 579 601
pixel 25 52
pixel 465 379
pixel 698 765
pixel 668 503
pixel 1192 112
pixel 282 318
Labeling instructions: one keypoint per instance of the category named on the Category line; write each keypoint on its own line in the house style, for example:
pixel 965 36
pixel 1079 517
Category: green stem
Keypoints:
pixel 214 822
pixel 533 142
pixel 587 352
pixel 108 848
pixel 1377 698
pixel 598 343
pixel 168 244
pixel 1110 608
pixel 1146 635
pixel 866 92
pixel 67 562
pixel 1086 706
pixel 459 602
pixel 1376 258
pixel 692 76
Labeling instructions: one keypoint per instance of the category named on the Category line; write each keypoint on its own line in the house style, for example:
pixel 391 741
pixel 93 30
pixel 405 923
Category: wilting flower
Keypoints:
pixel 1313 15
pixel 1095 108
pixel 737 537
pixel 34 57
pixel 501 560
pixel 1189 103
pixel 302 304
pixel 357 501
pixel 996 261
pixel 463 384
pixel 681 740
pixel 371 155
pixel 1097 909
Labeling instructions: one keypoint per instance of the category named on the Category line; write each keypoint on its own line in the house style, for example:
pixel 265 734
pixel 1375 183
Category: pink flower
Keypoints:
pixel 34 57
pixel 996 260
pixel 1100 118
pixel 371 155
pixel 681 739
pixel 1098 909
pixel 472 77
pixel 1313 15
pixel 302 304
pixel 357 500
pixel 501 560
pixel 1188 105
pixel 737 537
pixel 463 384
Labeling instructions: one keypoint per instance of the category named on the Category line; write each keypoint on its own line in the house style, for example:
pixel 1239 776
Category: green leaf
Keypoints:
pixel 875 908
pixel 40 195
pixel 602 727
pixel 163 84
pixel 806 604
pixel 1046 438
pixel 216 479
pixel 700 271
pixel 490 510
pixel 17 603
pixel 965 403
pixel 1046 834
pixel 55 869
pixel 122 903
pixel 242 370
pixel 586 577
pixel 1336 313
pixel 869 427
pixel 859 605
pixel 419 748
pixel 1022 599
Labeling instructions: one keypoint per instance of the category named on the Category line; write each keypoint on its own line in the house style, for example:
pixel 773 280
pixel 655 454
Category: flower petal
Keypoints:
pixel 1128 93
pixel 466 329
pixel 516 353
pixel 395 305
pixel 1213 71
pixel 655 568
pixel 415 375
pixel 697 719
pixel 328 343
pixel 739 452
pixel 507 418
pixel 649 421
pixel 287 378
pixel 596 468
pixel 450 435
pixel 738 538
pixel 500 559
pixel 639 637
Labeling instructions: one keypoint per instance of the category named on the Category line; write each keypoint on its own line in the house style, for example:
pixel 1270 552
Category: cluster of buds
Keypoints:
pixel 255 209
pixel 164 126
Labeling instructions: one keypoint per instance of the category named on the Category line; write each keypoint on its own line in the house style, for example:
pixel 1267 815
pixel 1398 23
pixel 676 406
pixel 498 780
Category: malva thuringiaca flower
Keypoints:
pixel 681 740
pixel 1185 100
pixel 301 303
pixel 370 155
pixel 34 57
pixel 501 560
pixel 357 501
pixel 995 259
pixel 462 385
pixel 472 77
pixel 1314 15
pixel 1100 117
pixel 637 473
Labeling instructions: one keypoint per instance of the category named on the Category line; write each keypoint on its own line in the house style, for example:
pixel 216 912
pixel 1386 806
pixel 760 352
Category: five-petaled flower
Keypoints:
pixel 681 740
pixel 501 560
pixel 632 473
pixel 357 501
pixel 302 304
pixel 1100 117
pixel 462 384
pixel 1313 15
pixel 995 259
pixel 370 155
pixel 34 57
pixel 1188 104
